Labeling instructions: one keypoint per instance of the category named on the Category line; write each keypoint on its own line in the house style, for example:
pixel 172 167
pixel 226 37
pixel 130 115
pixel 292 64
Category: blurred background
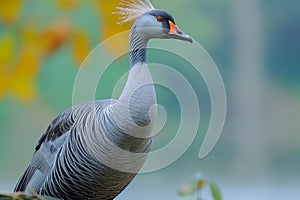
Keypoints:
pixel 255 44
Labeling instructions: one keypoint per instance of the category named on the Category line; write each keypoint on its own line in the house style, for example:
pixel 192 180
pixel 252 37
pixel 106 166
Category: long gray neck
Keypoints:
pixel 134 112
pixel 127 122
pixel 137 47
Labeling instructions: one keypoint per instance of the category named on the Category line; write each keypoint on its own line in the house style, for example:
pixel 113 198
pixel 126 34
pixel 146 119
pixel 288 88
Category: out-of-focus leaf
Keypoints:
pixel 54 37
pixel 68 4
pixel 201 184
pixel 191 188
pixel 45 42
pixel 188 189
pixel 10 10
pixel 3 84
pixel 110 28
pixel 7 45
pixel 22 79
pixel 215 191
pixel 19 79
pixel 81 46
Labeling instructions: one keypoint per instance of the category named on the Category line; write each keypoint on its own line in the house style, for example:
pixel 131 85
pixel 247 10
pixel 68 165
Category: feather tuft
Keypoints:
pixel 129 10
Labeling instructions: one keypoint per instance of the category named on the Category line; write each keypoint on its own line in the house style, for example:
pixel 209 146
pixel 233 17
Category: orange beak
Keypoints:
pixel 176 33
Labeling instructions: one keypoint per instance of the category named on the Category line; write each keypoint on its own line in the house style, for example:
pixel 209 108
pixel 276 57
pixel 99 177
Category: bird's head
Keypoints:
pixel 150 22
pixel 159 24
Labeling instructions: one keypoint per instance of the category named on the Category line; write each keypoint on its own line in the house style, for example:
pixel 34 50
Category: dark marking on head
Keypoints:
pixel 165 15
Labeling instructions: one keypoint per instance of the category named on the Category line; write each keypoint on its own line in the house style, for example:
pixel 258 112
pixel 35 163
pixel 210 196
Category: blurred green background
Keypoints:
pixel 255 44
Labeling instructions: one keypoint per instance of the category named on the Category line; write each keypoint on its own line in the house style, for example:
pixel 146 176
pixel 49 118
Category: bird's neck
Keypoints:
pixel 138 46
pixel 135 108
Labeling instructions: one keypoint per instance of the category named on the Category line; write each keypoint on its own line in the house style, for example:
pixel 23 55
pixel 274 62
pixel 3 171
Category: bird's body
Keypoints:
pixel 94 149
pixel 63 144
pixel 63 164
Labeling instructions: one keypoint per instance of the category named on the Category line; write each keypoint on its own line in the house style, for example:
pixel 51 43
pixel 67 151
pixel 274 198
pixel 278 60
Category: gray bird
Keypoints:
pixel 94 149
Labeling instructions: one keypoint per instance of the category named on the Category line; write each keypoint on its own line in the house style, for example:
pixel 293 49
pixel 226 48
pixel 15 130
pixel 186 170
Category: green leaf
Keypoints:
pixel 215 191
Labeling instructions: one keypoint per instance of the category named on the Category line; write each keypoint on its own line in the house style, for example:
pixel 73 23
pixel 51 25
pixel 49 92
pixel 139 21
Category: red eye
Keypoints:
pixel 159 19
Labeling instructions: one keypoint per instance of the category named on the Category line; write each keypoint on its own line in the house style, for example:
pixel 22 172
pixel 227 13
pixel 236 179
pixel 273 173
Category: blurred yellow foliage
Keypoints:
pixel 54 37
pixel 6 49
pixel 81 46
pixel 10 10
pixel 19 69
pixel 24 46
pixel 120 44
pixel 46 41
pixel 22 79
pixel 68 4
pixel 19 81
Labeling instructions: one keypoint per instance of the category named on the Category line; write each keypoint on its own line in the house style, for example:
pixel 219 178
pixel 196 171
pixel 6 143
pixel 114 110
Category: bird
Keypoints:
pixel 94 149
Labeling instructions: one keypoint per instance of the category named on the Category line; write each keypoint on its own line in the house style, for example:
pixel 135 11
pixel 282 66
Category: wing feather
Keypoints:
pixel 24 180
pixel 50 143
pixel 59 126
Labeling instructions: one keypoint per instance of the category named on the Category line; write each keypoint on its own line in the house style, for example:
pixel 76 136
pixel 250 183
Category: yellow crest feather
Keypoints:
pixel 129 10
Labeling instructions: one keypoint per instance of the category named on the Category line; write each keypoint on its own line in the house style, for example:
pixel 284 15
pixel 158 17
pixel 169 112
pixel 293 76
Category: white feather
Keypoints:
pixel 129 10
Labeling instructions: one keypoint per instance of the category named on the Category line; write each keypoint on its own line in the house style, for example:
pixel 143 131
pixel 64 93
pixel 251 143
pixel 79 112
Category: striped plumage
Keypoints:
pixel 94 149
